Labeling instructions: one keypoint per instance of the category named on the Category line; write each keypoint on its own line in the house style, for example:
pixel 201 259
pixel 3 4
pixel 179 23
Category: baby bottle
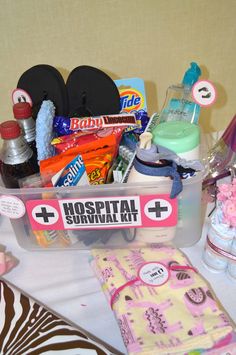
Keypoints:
pixel 168 182
pixel 183 138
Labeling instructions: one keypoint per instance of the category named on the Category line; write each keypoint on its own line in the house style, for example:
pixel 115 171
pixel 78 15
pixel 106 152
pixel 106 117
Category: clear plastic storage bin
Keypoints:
pixel 113 215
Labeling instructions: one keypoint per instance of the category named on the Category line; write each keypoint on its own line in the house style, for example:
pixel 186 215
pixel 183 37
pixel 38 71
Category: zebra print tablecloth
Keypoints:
pixel 27 327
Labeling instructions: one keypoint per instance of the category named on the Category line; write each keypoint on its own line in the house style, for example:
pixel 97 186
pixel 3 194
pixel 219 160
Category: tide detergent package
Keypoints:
pixel 132 95
pixel 133 100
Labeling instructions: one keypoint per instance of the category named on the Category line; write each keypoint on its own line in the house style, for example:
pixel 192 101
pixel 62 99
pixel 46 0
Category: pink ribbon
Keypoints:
pixel 135 279
pixel 220 251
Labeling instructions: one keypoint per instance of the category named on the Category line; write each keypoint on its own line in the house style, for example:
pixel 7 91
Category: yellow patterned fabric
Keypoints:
pixel 175 318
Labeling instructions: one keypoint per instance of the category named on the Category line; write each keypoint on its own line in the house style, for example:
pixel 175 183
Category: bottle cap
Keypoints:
pixel 10 130
pixel 22 110
pixel 178 136
pixel 192 74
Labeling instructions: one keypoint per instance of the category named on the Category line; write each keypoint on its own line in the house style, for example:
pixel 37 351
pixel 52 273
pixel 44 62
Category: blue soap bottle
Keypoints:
pixel 179 105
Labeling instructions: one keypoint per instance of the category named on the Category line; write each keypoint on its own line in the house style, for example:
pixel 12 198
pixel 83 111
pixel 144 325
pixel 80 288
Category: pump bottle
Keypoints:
pixel 179 105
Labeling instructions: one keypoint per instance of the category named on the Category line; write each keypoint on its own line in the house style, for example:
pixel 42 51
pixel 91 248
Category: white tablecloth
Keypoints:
pixel 64 282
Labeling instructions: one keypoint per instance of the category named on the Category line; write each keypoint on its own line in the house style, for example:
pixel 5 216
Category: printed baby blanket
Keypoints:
pixel 162 304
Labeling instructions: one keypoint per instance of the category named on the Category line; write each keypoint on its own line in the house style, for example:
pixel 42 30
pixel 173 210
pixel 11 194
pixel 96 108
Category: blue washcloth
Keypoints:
pixel 44 130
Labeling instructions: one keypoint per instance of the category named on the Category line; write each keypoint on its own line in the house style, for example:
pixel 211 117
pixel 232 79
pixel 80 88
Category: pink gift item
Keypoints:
pixel 162 305
pixel 7 262
pixel 27 327
pixel 219 254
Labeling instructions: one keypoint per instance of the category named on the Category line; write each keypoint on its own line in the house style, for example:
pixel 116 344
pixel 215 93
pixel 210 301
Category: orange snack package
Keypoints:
pixel 63 143
pixel 97 156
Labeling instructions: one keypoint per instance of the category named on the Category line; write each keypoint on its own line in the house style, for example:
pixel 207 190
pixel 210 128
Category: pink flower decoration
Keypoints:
pixel 225 189
pixel 221 197
pixel 229 211
pixel 233 191
pixel 227 203
pixel 233 222
pixel 229 208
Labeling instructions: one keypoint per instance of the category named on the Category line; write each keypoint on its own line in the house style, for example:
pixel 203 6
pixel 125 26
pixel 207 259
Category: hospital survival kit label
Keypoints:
pixel 103 212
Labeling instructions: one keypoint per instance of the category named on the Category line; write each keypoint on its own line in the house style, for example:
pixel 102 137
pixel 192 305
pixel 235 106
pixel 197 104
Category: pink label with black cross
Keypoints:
pixel 103 212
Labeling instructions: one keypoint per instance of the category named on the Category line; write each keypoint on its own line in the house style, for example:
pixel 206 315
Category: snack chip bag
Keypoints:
pixel 97 156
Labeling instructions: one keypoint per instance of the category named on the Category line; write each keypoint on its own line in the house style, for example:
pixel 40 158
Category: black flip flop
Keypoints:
pixel 91 92
pixel 44 82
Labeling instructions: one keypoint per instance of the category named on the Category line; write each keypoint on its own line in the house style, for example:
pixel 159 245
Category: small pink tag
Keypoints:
pixel 204 93
pixel 20 95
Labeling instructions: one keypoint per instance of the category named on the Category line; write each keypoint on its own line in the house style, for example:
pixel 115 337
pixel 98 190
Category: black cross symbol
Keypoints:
pixel 44 214
pixel 158 209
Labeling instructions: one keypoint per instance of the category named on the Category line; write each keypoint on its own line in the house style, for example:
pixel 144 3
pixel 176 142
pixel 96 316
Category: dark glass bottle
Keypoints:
pixel 23 114
pixel 17 157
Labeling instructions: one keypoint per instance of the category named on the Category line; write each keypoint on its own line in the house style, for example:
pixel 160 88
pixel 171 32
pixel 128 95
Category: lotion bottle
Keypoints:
pixel 179 104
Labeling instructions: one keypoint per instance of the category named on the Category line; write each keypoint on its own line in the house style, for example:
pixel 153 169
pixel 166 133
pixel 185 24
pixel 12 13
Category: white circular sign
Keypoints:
pixel 11 206
pixel 204 93
pixel 45 214
pixel 154 274
pixel 158 209
pixel 20 95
